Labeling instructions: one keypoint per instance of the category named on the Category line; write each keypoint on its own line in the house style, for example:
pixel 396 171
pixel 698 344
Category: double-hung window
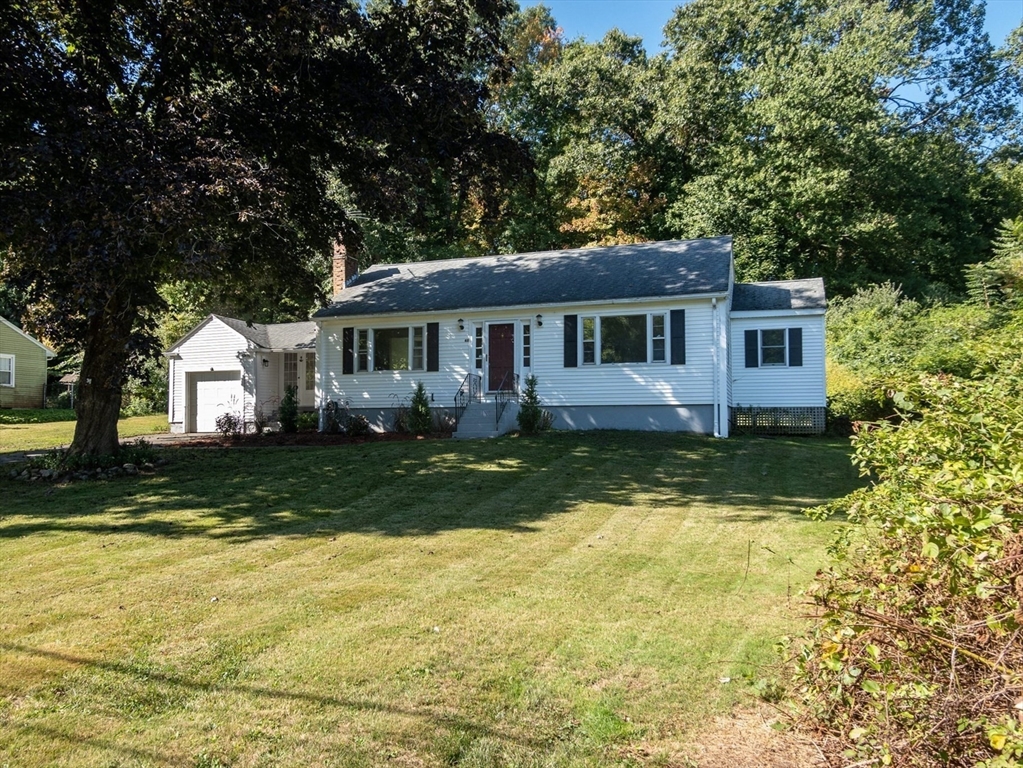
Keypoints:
pixel 6 370
pixel 774 347
pixel 362 350
pixel 618 339
pixel 657 354
pixel 391 349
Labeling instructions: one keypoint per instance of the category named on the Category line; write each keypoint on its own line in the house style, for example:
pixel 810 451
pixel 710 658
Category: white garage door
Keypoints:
pixel 215 393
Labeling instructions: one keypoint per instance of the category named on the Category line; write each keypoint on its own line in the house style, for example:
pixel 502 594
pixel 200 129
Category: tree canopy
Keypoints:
pixel 843 138
pixel 223 143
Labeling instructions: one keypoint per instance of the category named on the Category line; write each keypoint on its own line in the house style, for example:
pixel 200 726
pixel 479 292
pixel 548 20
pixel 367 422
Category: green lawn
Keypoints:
pixel 573 599
pixel 43 435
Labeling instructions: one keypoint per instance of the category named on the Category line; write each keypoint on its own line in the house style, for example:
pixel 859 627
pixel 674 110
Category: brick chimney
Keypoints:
pixel 345 267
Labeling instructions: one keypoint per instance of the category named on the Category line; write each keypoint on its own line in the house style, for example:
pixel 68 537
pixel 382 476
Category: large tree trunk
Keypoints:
pixel 99 384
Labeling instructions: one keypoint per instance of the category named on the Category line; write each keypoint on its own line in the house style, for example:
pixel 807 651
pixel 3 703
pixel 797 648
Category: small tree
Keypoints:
pixel 532 417
pixel 420 420
pixel 288 411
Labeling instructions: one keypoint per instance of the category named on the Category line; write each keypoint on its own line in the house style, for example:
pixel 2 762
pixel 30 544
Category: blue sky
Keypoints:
pixel 646 18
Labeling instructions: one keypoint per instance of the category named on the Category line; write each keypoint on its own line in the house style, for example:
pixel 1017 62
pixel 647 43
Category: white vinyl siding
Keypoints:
pixel 374 389
pixel 618 384
pixel 214 347
pixel 771 386
pixel 267 378
pixel 627 383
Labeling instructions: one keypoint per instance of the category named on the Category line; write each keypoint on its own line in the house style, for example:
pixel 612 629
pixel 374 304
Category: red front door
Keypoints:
pixel 501 356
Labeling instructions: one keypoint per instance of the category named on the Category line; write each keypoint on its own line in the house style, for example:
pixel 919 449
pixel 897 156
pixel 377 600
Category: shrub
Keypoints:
pixel 288 410
pixel 146 391
pixel 874 330
pixel 229 425
pixel 401 408
pixel 420 420
pixel 915 658
pixel 36 415
pixel 855 397
pixel 356 425
pixel 261 418
pixel 532 417
pixel 334 415
pixel 308 420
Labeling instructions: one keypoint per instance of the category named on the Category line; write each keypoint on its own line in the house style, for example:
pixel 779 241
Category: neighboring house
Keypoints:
pixel 22 368
pixel 654 336
pixel 228 366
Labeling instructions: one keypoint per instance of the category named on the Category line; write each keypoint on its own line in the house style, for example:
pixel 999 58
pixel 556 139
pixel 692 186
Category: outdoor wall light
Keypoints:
pixel 539 321
pixel 266 362
pixel 461 324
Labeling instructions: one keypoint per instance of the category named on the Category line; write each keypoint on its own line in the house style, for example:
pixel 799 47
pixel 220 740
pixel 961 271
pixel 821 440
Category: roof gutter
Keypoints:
pixel 545 305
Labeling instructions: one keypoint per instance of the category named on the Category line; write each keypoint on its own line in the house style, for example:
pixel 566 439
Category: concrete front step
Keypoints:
pixel 479 421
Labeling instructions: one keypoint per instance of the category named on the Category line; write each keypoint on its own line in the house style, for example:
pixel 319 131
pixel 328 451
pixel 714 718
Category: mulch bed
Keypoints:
pixel 307 438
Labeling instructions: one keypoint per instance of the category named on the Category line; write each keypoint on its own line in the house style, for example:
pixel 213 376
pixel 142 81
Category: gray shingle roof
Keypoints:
pixel 782 294
pixel 275 335
pixel 647 270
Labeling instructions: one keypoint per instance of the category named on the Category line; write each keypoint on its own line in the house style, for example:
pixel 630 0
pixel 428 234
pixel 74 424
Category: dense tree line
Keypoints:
pixel 859 141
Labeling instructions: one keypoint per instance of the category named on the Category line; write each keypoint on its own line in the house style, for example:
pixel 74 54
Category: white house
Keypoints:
pixel 225 365
pixel 654 336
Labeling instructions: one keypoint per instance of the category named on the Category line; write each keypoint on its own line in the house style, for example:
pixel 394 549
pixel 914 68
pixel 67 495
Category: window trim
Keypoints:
pixel 784 347
pixel 597 319
pixel 527 344
pixel 368 334
pixel 11 358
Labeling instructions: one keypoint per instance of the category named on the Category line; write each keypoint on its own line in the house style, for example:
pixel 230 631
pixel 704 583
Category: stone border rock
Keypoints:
pixel 36 474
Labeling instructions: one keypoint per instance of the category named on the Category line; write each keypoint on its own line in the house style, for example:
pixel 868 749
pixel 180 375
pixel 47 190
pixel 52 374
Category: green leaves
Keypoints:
pixel 919 618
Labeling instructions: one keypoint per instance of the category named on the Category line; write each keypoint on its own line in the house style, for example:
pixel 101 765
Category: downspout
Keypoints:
pixel 321 403
pixel 714 361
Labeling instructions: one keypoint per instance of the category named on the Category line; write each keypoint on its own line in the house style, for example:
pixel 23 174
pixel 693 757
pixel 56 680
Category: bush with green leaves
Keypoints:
pixel 873 330
pixel 229 425
pixel 532 417
pixel 356 425
pixel 419 419
pixel 854 397
pixel 146 391
pixel 287 411
pixel 308 420
pixel 916 658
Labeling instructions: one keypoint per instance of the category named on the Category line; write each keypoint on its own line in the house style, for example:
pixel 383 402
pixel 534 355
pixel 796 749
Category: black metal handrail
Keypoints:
pixel 505 395
pixel 471 390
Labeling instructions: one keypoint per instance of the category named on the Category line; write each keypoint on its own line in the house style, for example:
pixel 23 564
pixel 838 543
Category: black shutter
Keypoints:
pixel 347 350
pixel 795 346
pixel 433 346
pixel 752 349
pixel 678 337
pixel 571 341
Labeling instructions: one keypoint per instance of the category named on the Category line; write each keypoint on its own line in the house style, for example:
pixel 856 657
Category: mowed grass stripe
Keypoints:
pixel 584 589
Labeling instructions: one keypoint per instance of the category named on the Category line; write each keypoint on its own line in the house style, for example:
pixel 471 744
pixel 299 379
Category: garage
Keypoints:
pixel 212 394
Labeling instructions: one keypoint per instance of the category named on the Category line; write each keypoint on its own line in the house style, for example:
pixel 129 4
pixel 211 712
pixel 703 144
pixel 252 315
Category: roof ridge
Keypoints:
pixel 540 254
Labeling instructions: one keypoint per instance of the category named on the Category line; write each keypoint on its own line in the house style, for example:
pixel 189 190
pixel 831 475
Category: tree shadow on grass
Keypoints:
pixel 428 487
pixel 173 683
